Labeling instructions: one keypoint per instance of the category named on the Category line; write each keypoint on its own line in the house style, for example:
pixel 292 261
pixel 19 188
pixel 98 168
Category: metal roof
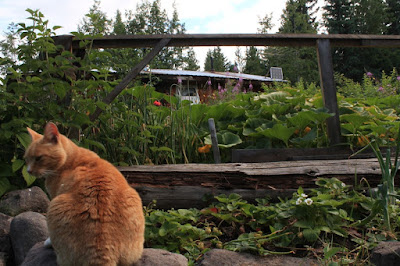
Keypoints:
pixel 222 75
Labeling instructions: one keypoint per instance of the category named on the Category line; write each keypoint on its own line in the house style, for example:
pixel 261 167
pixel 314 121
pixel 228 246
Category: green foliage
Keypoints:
pixel 44 83
pixel 34 91
pixel 150 18
pixel 311 220
pixel 370 87
pixel 140 132
pixel 362 17
pixel 95 22
pixel 254 64
pixel 386 190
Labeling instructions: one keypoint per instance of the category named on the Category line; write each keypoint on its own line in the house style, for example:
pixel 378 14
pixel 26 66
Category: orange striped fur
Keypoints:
pixel 94 217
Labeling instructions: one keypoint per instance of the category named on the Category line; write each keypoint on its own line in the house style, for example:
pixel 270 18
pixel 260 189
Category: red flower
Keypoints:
pixel 157 103
pixel 214 210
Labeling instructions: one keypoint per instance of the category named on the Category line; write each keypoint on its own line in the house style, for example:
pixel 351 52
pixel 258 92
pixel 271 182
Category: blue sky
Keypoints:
pixel 199 16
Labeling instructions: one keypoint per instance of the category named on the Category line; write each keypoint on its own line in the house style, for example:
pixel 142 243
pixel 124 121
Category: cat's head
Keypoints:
pixel 45 154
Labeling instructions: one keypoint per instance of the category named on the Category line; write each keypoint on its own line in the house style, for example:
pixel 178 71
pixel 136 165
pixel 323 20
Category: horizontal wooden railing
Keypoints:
pixel 343 40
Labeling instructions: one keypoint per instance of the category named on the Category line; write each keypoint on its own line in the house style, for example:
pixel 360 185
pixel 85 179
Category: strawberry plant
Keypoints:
pixel 321 222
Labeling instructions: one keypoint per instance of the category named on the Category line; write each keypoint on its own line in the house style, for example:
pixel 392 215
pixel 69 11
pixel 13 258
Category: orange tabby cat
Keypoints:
pixel 94 217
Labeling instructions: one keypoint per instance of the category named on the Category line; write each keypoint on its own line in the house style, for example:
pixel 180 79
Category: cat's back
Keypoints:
pixel 103 213
pixel 101 182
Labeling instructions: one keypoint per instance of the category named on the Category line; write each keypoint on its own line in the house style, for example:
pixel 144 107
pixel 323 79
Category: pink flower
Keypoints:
pixel 221 92
pixel 381 89
pixel 250 86
pixel 398 78
pixel 179 81
pixel 369 74
pixel 157 103
pixel 209 82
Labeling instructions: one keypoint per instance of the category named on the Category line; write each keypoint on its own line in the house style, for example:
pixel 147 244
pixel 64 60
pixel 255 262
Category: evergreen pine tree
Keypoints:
pixel 393 16
pixel 220 63
pixel 124 59
pixel 360 17
pixel 150 18
pixel 254 65
pixel 296 63
pixel 118 25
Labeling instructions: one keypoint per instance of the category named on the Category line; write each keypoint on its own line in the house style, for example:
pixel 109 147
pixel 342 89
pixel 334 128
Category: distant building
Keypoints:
pixel 198 85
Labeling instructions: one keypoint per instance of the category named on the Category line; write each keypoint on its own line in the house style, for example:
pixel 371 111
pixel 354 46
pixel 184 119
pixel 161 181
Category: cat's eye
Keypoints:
pixel 38 158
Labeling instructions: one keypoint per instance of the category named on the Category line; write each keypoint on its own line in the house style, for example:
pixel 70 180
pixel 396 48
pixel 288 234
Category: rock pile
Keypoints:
pixel 23 230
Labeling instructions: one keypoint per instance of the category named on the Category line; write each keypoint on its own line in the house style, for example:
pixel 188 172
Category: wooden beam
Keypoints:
pixel 131 75
pixel 328 89
pixel 279 175
pixel 65 41
pixel 186 197
pixel 294 40
pixel 185 185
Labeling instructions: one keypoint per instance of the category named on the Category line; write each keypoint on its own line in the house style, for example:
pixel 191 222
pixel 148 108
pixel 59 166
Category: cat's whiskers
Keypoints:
pixel 47 173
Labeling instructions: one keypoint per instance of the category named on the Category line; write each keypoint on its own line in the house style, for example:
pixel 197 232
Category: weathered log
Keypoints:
pixel 185 197
pixel 181 186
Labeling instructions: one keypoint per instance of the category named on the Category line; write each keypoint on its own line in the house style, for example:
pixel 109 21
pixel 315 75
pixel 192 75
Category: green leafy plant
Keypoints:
pixel 386 190
pixel 320 223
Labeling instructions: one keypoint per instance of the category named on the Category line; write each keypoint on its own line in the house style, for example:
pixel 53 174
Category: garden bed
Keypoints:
pixel 187 185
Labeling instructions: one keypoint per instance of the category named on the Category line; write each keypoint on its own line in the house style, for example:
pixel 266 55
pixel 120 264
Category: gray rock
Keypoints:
pixel 5 242
pixel 155 257
pixel 386 254
pixel 26 230
pixel 19 201
pixel 3 258
pixel 40 255
pixel 223 257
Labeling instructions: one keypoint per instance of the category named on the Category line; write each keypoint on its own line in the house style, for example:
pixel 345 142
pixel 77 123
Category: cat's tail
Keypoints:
pixel 105 255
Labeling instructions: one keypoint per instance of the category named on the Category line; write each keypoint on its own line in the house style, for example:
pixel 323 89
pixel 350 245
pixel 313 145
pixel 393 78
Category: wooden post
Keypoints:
pixel 65 41
pixel 328 89
pixel 214 140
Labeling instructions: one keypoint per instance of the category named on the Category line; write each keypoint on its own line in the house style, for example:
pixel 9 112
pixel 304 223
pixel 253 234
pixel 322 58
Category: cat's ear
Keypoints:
pixel 34 134
pixel 51 133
